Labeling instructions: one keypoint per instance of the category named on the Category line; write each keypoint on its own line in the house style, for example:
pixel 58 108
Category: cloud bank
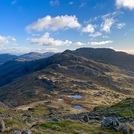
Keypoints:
pixel 125 3
pixel 53 24
pixel 46 40
pixel 101 42
pixel 5 40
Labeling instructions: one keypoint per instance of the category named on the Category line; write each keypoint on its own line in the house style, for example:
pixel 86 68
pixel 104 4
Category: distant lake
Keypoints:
pixel 78 107
pixel 75 96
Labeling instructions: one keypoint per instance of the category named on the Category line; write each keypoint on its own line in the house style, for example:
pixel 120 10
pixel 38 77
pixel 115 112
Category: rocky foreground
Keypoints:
pixel 40 120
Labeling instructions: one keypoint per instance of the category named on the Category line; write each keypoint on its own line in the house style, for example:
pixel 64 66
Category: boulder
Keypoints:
pixel 86 118
pixel 55 119
pixel 126 129
pixel 112 123
pixel 2 125
pixel 27 132
pixel 15 132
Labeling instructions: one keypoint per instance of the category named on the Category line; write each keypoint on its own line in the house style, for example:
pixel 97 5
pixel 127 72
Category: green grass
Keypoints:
pixel 73 127
pixel 12 123
pixel 125 108
pixel 39 111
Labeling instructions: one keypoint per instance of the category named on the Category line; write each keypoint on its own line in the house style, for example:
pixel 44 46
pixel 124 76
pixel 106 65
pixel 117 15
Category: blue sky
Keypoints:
pixel 57 25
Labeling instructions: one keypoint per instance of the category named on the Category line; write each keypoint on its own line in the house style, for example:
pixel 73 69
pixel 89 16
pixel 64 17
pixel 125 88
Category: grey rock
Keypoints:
pixel 55 119
pixel 106 122
pixel 86 118
pixel 117 128
pixel 121 119
pixel 126 129
pixel 133 132
pixel 111 122
pixel 27 132
pixel 2 125
pixel 15 132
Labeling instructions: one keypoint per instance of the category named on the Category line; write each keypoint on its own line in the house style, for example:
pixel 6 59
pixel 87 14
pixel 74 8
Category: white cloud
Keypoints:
pixel 95 34
pixel 71 3
pixel 82 4
pixel 105 36
pixel 23 49
pixel 101 43
pixel 79 43
pixel 107 24
pixel 5 40
pixel 125 3
pixel 89 28
pixel 56 23
pixel 13 39
pixel 93 19
pixel 110 20
pixel 54 2
pixel 10 38
pixel 120 25
pixel 46 40
pixel 14 2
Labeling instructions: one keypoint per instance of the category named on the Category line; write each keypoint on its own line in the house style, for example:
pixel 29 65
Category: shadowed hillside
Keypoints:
pixel 6 57
pixel 106 55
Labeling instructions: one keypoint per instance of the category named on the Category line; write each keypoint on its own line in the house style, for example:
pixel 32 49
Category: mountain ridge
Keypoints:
pixel 107 55
pixel 25 57
pixel 14 69
pixel 50 76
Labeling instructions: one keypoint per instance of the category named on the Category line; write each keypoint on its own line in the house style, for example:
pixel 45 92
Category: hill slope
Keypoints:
pixel 17 68
pixel 49 89
pixel 67 74
pixel 6 57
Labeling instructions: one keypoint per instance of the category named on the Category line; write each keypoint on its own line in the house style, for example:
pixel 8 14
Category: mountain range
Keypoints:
pixel 103 74
pixel 73 92
pixel 25 57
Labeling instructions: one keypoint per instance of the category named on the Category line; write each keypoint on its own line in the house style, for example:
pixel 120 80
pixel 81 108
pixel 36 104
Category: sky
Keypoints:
pixel 57 25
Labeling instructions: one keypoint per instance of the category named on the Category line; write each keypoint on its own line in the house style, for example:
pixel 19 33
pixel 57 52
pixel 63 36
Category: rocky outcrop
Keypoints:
pixel 112 123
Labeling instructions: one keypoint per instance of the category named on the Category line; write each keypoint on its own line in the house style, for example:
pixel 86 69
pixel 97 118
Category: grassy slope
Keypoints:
pixel 37 119
pixel 125 108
